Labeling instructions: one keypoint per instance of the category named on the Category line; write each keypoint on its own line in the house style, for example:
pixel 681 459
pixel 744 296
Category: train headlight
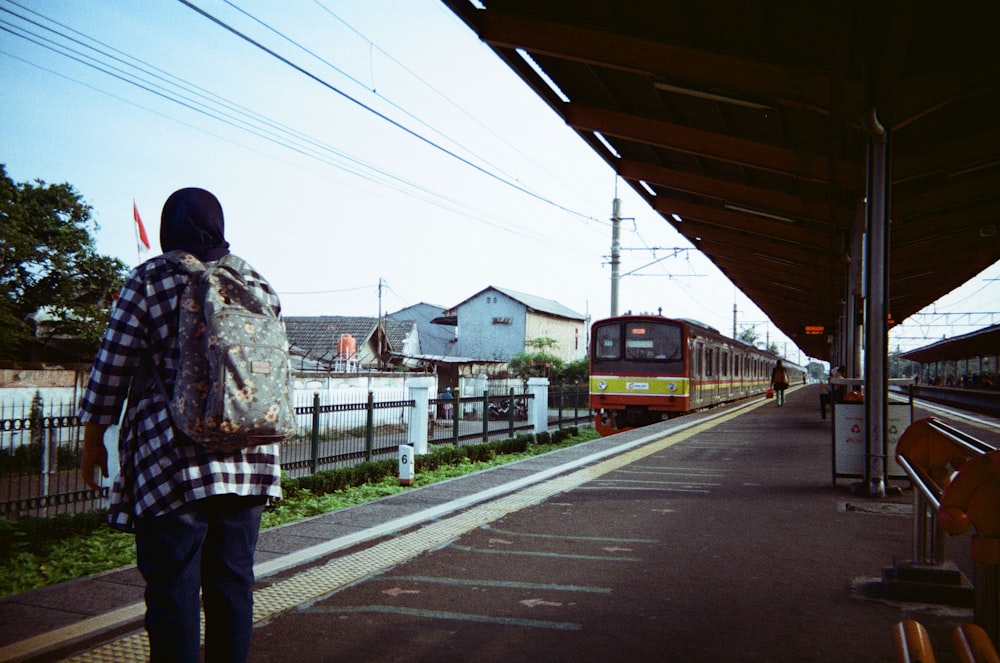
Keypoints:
pixel 602 385
pixel 671 386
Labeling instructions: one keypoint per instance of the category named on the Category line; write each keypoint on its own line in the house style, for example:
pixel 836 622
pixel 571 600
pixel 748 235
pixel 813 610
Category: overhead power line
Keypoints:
pixel 153 80
pixel 333 88
pixel 446 98
pixel 158 82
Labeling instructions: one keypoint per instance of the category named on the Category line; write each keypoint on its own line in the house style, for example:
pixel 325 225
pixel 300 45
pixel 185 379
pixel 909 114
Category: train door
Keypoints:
pixel 711 376
pixel 725 375
pixel 698 375
pixel 738 375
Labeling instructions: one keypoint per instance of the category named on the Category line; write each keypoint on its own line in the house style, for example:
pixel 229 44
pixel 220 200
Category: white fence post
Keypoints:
pixel 416 434
pixel 539 390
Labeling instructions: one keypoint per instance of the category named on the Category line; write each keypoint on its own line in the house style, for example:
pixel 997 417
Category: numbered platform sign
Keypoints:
pixel 406 465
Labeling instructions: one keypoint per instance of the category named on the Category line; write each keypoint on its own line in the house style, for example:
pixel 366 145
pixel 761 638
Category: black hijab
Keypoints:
pixel 192 221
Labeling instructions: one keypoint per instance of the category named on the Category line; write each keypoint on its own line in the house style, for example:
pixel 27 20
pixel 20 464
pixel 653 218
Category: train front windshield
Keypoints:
pixel 638 346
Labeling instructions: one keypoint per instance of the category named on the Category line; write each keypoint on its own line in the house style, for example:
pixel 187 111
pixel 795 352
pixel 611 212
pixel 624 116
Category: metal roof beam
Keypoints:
pixel 751 154
pixel 671 63
pixel 776 233
pixel 773 201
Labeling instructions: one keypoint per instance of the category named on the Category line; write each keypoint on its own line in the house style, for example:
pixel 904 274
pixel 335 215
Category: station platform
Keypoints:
pixel 714 537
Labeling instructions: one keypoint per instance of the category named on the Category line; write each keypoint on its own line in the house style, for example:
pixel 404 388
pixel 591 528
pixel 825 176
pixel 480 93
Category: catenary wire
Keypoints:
pixel 359 83
pixel 445 97
pixel 375 112
pixel 429 196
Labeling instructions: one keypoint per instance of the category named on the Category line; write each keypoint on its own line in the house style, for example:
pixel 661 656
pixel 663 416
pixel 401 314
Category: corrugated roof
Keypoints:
pixel 541 304
pixel 533 302
pixel 435 339
pixel 982 343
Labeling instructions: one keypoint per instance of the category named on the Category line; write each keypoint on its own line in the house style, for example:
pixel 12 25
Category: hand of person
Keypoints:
pixel 94 455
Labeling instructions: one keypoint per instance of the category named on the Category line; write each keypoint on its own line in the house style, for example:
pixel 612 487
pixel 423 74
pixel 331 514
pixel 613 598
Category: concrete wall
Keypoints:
pixel 570 335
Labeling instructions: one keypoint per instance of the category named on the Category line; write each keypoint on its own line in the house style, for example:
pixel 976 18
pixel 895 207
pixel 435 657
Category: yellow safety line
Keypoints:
pixel 57 636
pixel 317 583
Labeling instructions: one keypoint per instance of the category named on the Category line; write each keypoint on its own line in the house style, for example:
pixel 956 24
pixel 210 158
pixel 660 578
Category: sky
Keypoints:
pixel 369 155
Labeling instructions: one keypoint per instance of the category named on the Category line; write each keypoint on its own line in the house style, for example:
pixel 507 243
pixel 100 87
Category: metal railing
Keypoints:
pixel 507 413
pixel 40 463
pixel 956 480
pixel 334 435
pixel 40 449
pixel 569 404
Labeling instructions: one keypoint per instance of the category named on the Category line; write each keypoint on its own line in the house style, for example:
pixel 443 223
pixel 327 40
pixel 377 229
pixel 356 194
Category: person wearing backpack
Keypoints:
pixel 194 508
pixel 779 382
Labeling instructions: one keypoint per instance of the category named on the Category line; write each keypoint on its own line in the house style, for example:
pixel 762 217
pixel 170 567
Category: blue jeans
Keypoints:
pixel 206 545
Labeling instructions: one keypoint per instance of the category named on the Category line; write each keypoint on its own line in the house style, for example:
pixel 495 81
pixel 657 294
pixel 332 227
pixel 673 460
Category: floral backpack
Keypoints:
pixel 233 387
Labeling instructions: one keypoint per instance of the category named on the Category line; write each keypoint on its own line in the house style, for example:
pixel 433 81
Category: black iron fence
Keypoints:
pixel 40 463
pixel 40 446
pixel 497 411
pixel 569 404
pixel 337 434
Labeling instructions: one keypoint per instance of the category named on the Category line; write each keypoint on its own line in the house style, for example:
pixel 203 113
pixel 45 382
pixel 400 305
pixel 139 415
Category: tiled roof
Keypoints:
pixel 316 336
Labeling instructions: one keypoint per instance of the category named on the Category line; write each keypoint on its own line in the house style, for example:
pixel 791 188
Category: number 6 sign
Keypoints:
pixel 406 468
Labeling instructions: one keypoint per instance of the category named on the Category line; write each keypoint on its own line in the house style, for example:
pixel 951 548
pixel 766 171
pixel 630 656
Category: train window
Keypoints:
pixel 607 344
pixel 708 362
pixel 725 364
pixel 700 370
pixel 650 341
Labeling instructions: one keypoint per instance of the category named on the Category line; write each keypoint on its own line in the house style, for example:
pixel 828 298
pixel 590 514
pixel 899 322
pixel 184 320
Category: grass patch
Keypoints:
pixel 39 552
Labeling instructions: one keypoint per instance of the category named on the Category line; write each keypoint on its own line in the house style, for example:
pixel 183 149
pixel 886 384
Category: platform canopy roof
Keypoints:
pixel 745 124
pixel 981 343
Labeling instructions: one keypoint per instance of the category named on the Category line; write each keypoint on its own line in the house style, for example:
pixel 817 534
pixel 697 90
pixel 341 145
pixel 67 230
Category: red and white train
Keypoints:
pixel 647 368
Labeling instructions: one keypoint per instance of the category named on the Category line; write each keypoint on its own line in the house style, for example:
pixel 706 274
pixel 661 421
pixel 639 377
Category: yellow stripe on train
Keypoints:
pixel 638 386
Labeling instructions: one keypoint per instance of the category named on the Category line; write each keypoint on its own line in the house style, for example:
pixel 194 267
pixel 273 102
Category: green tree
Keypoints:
pixel 535 364
pixel 817 372
pixel 49 264
pixel 574 372
pixel 749 336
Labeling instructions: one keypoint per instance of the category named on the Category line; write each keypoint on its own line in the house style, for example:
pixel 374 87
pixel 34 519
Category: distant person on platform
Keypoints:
pixel 779 382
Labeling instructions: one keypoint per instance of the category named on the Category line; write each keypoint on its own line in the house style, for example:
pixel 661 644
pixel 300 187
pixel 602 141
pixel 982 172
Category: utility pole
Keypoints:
pixel 378 328
pixel 616 248
pixel 616 253
pixel 734 319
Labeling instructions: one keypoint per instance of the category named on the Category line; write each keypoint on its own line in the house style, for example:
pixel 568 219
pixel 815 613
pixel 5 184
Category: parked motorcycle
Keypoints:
pixel 501 411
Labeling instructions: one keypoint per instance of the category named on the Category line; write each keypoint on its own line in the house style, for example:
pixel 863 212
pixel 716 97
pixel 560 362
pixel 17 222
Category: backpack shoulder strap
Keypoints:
pixel 233 261
pixel 193 268
pixel 187 262
pixel 233 264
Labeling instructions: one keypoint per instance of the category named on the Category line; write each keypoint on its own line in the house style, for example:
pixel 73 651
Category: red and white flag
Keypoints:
pixel 143 237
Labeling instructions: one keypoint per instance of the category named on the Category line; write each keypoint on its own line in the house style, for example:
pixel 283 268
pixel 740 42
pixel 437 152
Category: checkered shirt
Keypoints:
pixel 159 472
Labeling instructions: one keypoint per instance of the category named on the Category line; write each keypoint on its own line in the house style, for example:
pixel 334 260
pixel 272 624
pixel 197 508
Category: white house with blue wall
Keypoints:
pixel 496 323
